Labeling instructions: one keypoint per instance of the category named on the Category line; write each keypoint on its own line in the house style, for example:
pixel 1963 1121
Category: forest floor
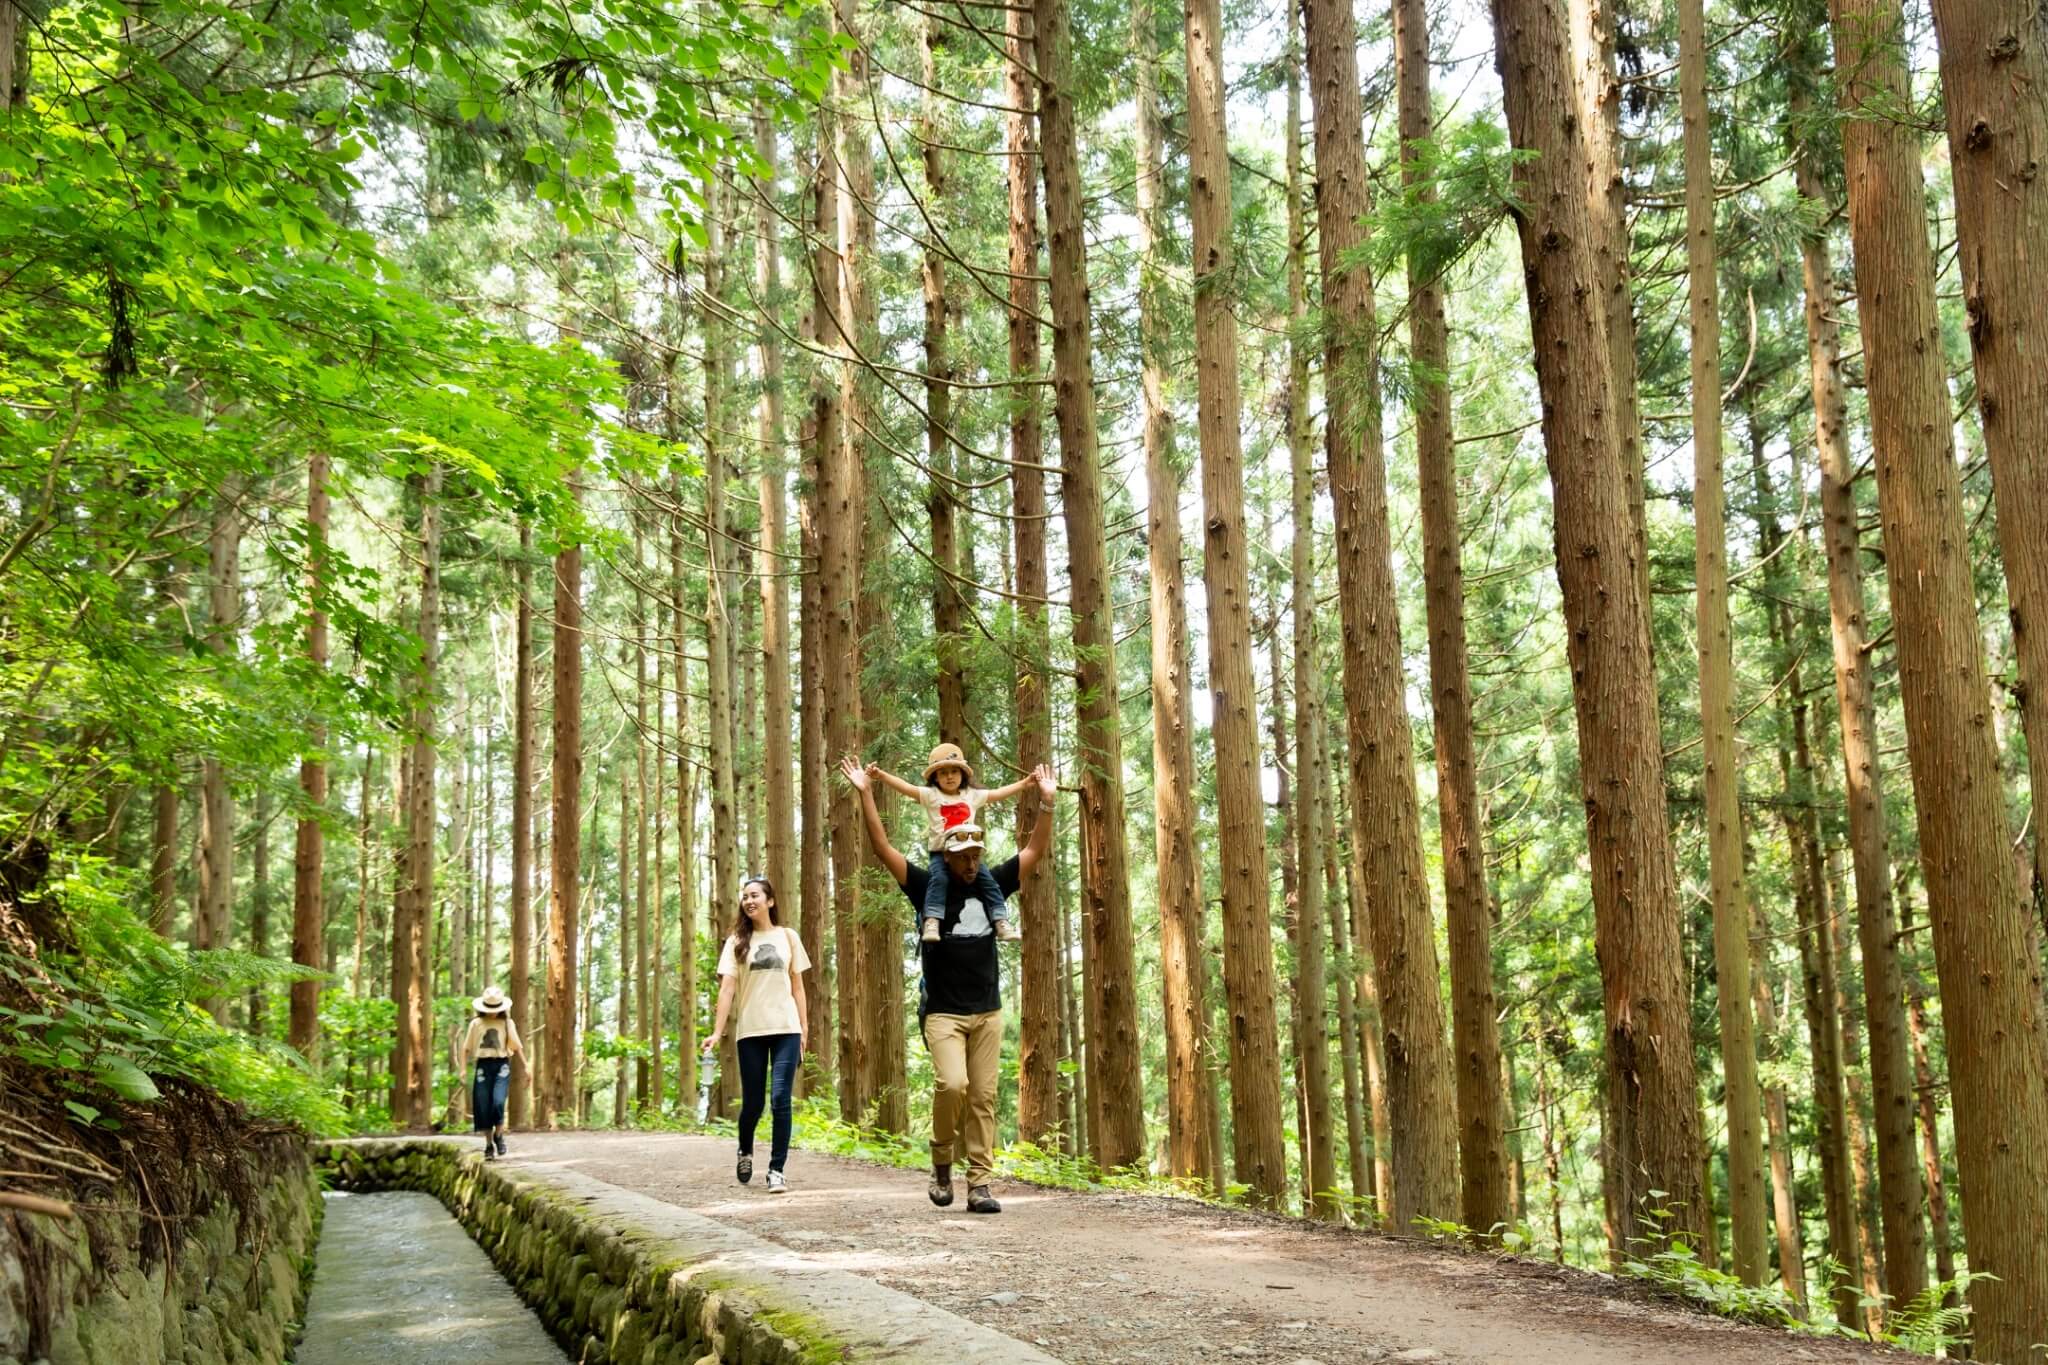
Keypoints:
pixel 1095 1278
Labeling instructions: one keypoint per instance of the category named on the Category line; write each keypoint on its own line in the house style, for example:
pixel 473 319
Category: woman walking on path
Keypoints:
pixel 762 965
pixel 490 1045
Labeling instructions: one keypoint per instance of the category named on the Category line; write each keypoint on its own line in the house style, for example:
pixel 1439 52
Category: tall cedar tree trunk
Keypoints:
pixel 1598 89
pixel 1785 1222
pixel 10 34
pixel 1994 75
pixel 747 737
pixel 356 964
pixel 1749 1227
pixel 1851 1013
pixel 1350 1022
pixel 1652 1124
pixel 1482 1105
pixel 875 1030
pixel 942 496
pixel 558 1090
pixel 487 949
pixel 842 517
pixel 216 804
pixel 657 795
pixel 456 856
pixel 646 923
pixel 308 910
pixel 687 872
pixel 1862 771
pixel 1374 1050
pixel 417 1007
pixel 721 659
pixel 1041 987
pixel 400 958
pixel 772 561
pixel 1983 942
pixel 1823 1017
pixel 1924 1085
pixel 881 942
pixel 259 909
pixel 718 595
pixel 1314 1037
pixel 820 436
pixel 1293 983
pixel 1181 908
pixel 1386 821
pixel 1115 1082
pixel 1260 1158
pixel 523 742
pixel 163 861
pixel 623 1022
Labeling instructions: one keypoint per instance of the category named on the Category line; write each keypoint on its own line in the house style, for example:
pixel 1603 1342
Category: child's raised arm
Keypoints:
pixel 1017 788
pixel 895 783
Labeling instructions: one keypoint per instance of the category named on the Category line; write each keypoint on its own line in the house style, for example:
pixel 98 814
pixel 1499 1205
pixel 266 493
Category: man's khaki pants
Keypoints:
pixel 966 1049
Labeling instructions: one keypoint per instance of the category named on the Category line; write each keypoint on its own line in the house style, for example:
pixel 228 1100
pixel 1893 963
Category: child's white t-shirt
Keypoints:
pixel 942 812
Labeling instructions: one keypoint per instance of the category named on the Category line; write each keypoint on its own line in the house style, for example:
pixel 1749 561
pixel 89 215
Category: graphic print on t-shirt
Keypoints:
pixel 953 813
pixel 972 921
pixel 767 957
pixel 490 1040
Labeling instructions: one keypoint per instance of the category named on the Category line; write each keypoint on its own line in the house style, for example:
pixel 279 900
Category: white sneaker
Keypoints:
pixel 776 1184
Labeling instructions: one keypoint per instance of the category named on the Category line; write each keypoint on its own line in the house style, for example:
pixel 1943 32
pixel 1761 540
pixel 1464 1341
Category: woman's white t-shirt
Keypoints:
pixel 763 1002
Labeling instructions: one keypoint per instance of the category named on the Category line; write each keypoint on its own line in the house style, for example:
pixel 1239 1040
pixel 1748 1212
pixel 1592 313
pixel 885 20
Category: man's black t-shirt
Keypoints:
pixel 961 974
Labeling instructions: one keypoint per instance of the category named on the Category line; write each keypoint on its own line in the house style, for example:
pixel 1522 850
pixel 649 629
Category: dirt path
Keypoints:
pixel 1098 1278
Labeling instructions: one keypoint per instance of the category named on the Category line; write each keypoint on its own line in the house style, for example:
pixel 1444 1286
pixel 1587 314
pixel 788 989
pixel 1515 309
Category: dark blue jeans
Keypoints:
pixel 768 1073
pixel 985 890
pixel 487 1092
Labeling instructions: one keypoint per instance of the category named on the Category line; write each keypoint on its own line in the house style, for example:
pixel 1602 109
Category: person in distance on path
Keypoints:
pixel 490 1045
pixel 761 967
pixel 962 1012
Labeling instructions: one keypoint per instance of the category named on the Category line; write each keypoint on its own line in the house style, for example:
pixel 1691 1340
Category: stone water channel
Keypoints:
pixel 397 1281
pixel 430 1254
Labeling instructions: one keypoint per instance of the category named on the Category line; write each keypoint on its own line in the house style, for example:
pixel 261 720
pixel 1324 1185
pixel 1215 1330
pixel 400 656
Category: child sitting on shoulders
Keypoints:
pixel 949 798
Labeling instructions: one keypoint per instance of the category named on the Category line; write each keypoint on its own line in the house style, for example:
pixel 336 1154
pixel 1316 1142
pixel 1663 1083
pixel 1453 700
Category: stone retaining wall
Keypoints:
pixel 74 1292
pixel 621 1279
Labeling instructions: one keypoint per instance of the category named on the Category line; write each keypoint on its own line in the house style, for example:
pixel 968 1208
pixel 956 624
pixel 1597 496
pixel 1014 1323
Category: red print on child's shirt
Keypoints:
pixel 954 813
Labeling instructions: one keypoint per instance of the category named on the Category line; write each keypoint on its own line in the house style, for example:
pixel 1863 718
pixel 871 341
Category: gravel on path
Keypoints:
pixel 1095 1278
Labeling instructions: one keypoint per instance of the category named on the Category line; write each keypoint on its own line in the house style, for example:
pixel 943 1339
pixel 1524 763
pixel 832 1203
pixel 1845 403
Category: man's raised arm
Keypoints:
pixel 878 838
pixel 1041 830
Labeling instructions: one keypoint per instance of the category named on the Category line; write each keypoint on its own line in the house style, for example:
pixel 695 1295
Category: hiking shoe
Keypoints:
pixel 931 931
pixel 1007 931
pixel 744 1167
pixel 776 1184
pixel 979 1200
pixel 501 1144
pixel 941 1188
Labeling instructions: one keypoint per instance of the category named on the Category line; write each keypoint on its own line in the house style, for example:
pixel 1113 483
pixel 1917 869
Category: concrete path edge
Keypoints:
pixel 623 1279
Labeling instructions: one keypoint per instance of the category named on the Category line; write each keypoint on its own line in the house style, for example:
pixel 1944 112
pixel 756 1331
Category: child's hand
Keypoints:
pixel 856 775
pixel 1047 787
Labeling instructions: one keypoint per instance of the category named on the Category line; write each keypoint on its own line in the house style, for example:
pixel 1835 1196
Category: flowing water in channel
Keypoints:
pixel 398 1282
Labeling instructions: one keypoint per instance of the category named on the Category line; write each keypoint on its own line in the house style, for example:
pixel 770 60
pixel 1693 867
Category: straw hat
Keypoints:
pixel 492 1001
pixel 948 756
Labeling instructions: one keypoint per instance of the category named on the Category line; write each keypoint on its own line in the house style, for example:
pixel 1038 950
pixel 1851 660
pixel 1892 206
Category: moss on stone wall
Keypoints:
pixel 609 1295
pixel 83 1291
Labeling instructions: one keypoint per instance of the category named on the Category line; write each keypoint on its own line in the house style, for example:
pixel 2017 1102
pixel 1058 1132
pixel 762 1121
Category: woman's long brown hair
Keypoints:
pixel 743 928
